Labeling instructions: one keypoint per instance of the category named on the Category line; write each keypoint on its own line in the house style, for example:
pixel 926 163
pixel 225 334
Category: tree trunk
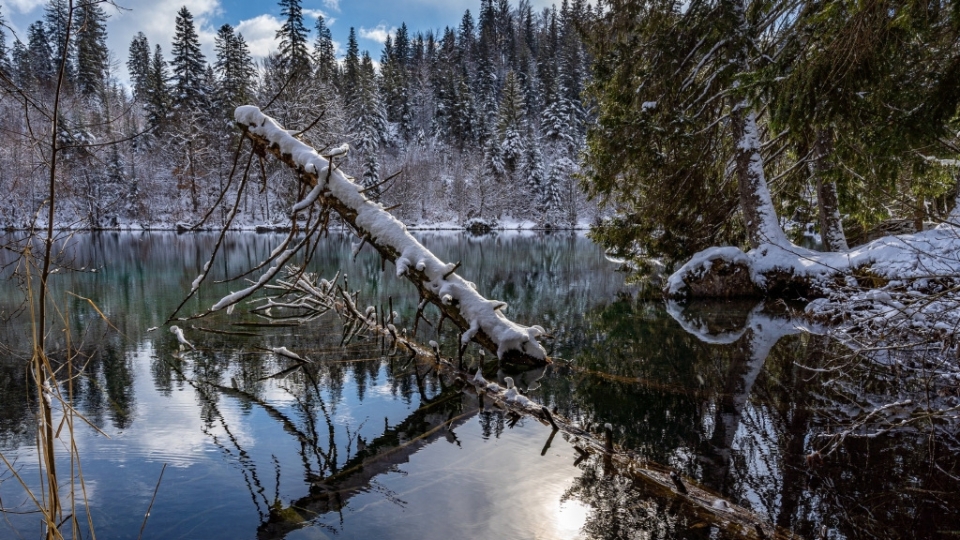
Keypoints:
pixel 831 225
pixel 759 214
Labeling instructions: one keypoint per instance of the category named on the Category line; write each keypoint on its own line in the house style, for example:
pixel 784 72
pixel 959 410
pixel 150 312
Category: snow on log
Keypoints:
pixel 177 331
pixel 929 256
pixel 513 343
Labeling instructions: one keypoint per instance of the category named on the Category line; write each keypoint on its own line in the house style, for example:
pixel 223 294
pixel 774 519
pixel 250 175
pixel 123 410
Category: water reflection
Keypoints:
pixel 361 444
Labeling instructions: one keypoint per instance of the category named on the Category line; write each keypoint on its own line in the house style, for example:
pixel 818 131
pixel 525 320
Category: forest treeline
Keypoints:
pixel 482 120
pixel 671 126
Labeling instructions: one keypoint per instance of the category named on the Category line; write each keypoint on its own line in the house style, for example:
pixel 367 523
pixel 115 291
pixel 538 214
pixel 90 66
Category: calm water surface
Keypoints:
pixel 365 445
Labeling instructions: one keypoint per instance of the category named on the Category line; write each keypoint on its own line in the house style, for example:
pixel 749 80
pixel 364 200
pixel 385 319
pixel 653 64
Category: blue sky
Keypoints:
pixel 258 21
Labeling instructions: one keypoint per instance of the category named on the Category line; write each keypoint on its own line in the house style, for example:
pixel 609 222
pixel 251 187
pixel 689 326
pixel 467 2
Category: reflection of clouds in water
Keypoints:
pixel 276 394
pixel 483 488
pixel 166 428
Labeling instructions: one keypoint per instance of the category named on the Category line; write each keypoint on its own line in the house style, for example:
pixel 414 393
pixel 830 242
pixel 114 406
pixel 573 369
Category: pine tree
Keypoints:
pixel 6 68
pixel 138 64
pixel 370 121
pixel 511 122
pixel 294 57
pixel 90 31
pixel 351 66
pixel 532 169
pixel 20 60
pixel 40 63
pixel 157 92
pixel 56 17
pixel 188 63
pixel 324 53
pixel 235 68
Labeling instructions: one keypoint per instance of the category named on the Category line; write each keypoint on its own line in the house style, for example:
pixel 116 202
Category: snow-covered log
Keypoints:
pixel 925 260
pixel 479 319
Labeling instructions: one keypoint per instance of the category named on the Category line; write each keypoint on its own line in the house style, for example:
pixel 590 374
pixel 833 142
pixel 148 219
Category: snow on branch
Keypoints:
pixel 457 299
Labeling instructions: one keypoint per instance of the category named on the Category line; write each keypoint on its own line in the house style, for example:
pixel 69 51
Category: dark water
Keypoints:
pixel 365 445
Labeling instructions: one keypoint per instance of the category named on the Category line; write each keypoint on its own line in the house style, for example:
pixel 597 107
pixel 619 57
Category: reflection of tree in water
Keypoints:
pixel 739 414
pixel 16 422
pixel 624 509
pixel 631 367
pixel 902 484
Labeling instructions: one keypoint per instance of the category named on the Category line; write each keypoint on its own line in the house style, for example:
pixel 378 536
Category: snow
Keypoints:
pixel 177 331
pixel 908 283
pixel 283 351
pixel 768 229
pixel 386 230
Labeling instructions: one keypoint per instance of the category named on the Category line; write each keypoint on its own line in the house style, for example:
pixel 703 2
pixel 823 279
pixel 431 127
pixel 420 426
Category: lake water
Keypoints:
pixel 361 444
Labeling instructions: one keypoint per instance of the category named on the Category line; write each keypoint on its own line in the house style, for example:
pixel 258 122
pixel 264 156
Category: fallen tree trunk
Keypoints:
pixel 479 319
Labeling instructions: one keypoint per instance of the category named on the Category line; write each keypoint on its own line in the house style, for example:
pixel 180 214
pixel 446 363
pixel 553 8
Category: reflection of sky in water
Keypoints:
pixel 221 477
pixel 483 488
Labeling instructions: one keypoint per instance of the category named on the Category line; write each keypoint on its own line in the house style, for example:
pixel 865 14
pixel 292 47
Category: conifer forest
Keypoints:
pixel 605 269
pixel 482 120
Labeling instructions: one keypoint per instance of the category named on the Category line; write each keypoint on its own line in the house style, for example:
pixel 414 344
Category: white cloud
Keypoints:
pixel 332 4
pixel 260 34
pixel 378 33
pixel 24 6
pixel 157 20
pixel 310 18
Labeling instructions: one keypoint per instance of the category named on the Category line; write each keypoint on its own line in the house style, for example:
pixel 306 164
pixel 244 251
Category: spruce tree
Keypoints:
pixel 351 66
pixel 235 68
pixel 369 112
pixel 90 31
pixel 138 64
pixel 20 60
pixel 369 121
pixel 5 64
pixel 324 53
pixel 466 42
pixel 657 153
pixel 56 17
pixel 41 67
pixel 511 122
pixel 486 78
pixel 465 120
pixel 532 169
pixel 158 92
pixel 294 57
pixel 188 63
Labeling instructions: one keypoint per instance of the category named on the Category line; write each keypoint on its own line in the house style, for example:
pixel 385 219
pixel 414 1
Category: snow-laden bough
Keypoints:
pixel 481 320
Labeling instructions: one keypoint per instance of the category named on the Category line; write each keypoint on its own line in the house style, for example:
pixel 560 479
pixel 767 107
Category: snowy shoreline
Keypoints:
pixel 266 228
